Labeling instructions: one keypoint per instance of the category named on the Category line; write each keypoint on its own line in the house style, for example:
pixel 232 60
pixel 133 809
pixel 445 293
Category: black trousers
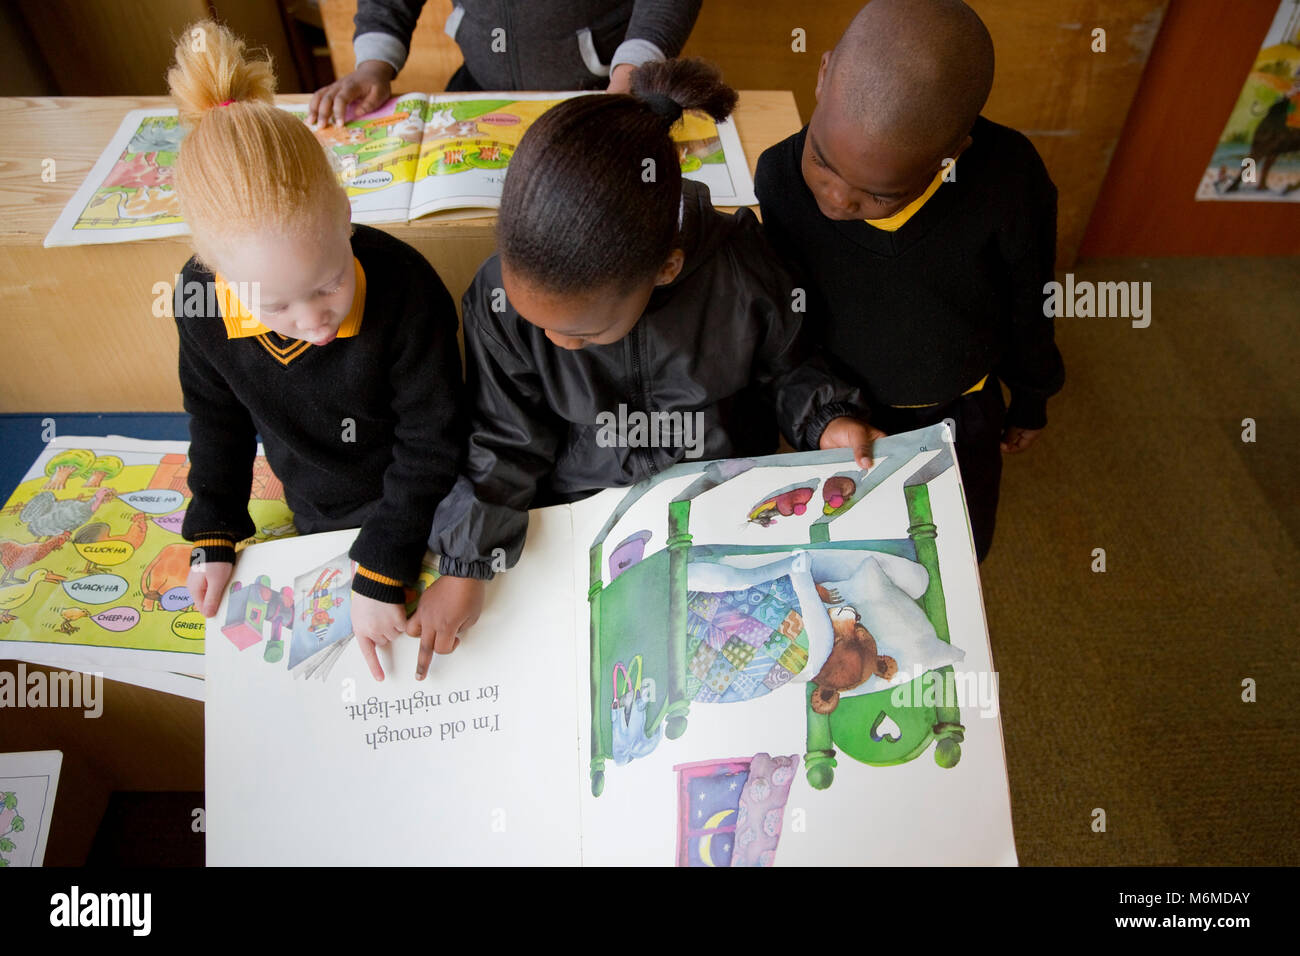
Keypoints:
pixel 979 420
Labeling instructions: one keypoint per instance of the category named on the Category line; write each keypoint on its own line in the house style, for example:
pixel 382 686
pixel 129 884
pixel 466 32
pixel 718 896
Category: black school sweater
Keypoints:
pixel 397 381
pixel 919 315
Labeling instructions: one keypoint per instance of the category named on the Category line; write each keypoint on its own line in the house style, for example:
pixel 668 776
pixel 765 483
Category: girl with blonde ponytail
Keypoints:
pixel 335 344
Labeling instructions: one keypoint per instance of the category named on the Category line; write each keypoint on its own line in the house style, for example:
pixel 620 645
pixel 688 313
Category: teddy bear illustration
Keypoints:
pixel 852 661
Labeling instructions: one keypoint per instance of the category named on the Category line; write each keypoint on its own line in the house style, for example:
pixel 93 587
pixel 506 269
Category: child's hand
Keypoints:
pixel 369 83
pixel 206 583
pixel 1018 439
pixel 375 624
pixel 620 78
pixel 851 433
pixel 447 606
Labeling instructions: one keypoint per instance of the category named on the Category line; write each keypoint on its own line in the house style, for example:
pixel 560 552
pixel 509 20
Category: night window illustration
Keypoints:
pixel 731 812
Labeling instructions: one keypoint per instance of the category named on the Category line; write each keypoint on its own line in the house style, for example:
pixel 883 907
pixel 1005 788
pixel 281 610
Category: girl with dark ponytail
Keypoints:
pixel 619 299
pixel 592 198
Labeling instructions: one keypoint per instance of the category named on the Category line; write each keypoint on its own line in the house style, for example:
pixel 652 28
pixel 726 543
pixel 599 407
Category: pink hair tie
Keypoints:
pixel 226 103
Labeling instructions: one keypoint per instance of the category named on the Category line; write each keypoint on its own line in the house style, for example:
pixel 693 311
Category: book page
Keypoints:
pixel 468 141
pixel 28 784
pixel 128 193
pixel 93 567
pixel 1255 158
pixel 711 153
pixel 787 663
pixel 375 156
pixel 310 761
pixel 470 137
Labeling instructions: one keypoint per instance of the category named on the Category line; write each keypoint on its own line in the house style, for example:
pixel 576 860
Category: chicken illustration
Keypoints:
pixel 46 516
pixel 70 614
pixel 15 555
pixel 16 595
pixel 145 202
pixel 98 531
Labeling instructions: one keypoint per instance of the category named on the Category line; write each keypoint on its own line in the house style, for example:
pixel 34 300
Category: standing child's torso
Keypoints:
pixel 919 314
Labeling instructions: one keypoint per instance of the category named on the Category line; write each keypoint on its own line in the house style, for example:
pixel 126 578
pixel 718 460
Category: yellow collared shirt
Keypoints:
pixel 241 323
pixel 907 212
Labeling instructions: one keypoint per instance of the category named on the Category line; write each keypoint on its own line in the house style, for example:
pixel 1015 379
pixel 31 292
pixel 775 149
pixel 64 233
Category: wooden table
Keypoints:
pixel 79 333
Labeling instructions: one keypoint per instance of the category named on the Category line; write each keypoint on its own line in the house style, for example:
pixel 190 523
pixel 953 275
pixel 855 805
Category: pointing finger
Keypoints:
pixel 372 659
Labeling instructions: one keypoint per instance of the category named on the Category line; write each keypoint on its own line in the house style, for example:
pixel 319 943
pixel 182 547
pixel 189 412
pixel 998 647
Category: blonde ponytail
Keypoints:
pixel 245 166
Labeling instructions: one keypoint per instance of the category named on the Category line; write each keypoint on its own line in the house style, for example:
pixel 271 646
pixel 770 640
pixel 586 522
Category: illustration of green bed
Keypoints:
pixel 856 624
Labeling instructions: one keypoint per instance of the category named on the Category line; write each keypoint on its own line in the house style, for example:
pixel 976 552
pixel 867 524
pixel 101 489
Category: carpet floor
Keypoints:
pixel 1123 691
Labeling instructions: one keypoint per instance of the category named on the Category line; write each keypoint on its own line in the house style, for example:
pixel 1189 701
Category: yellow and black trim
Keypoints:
pixel 212 548
pixel 241 323
pixel 282 348
pixel 970 391
pixel 378 586
pixel 894 222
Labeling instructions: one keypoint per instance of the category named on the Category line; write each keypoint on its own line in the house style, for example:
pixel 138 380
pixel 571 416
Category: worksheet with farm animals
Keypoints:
pixel 93 566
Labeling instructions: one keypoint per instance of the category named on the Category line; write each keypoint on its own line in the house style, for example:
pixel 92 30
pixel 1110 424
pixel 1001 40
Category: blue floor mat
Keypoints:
pixel 21 436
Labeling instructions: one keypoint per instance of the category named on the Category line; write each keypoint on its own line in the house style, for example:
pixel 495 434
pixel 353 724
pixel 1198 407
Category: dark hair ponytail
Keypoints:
pixel 591 195
pixel 686 85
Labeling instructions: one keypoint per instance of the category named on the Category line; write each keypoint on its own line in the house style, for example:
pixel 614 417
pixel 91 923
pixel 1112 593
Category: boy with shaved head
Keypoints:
pixel 926 234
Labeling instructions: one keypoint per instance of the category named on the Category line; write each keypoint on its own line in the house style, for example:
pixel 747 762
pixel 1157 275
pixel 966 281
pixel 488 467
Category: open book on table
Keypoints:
pixel 751 662
pixel 417 154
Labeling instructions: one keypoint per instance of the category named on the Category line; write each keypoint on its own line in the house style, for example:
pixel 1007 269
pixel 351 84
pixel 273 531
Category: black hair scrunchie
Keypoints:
pixel 662 105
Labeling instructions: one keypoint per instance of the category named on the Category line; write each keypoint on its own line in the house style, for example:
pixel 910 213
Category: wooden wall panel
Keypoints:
pixel 1196 71
pixel 124 47
pixel 23 71
pixel 107 49
pixel 260 24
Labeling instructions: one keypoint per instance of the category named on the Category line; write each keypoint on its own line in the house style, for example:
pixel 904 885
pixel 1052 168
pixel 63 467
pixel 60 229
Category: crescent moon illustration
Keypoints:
pixel 707 842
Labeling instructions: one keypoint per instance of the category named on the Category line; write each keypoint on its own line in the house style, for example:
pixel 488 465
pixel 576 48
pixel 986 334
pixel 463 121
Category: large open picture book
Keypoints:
pixel 750 662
